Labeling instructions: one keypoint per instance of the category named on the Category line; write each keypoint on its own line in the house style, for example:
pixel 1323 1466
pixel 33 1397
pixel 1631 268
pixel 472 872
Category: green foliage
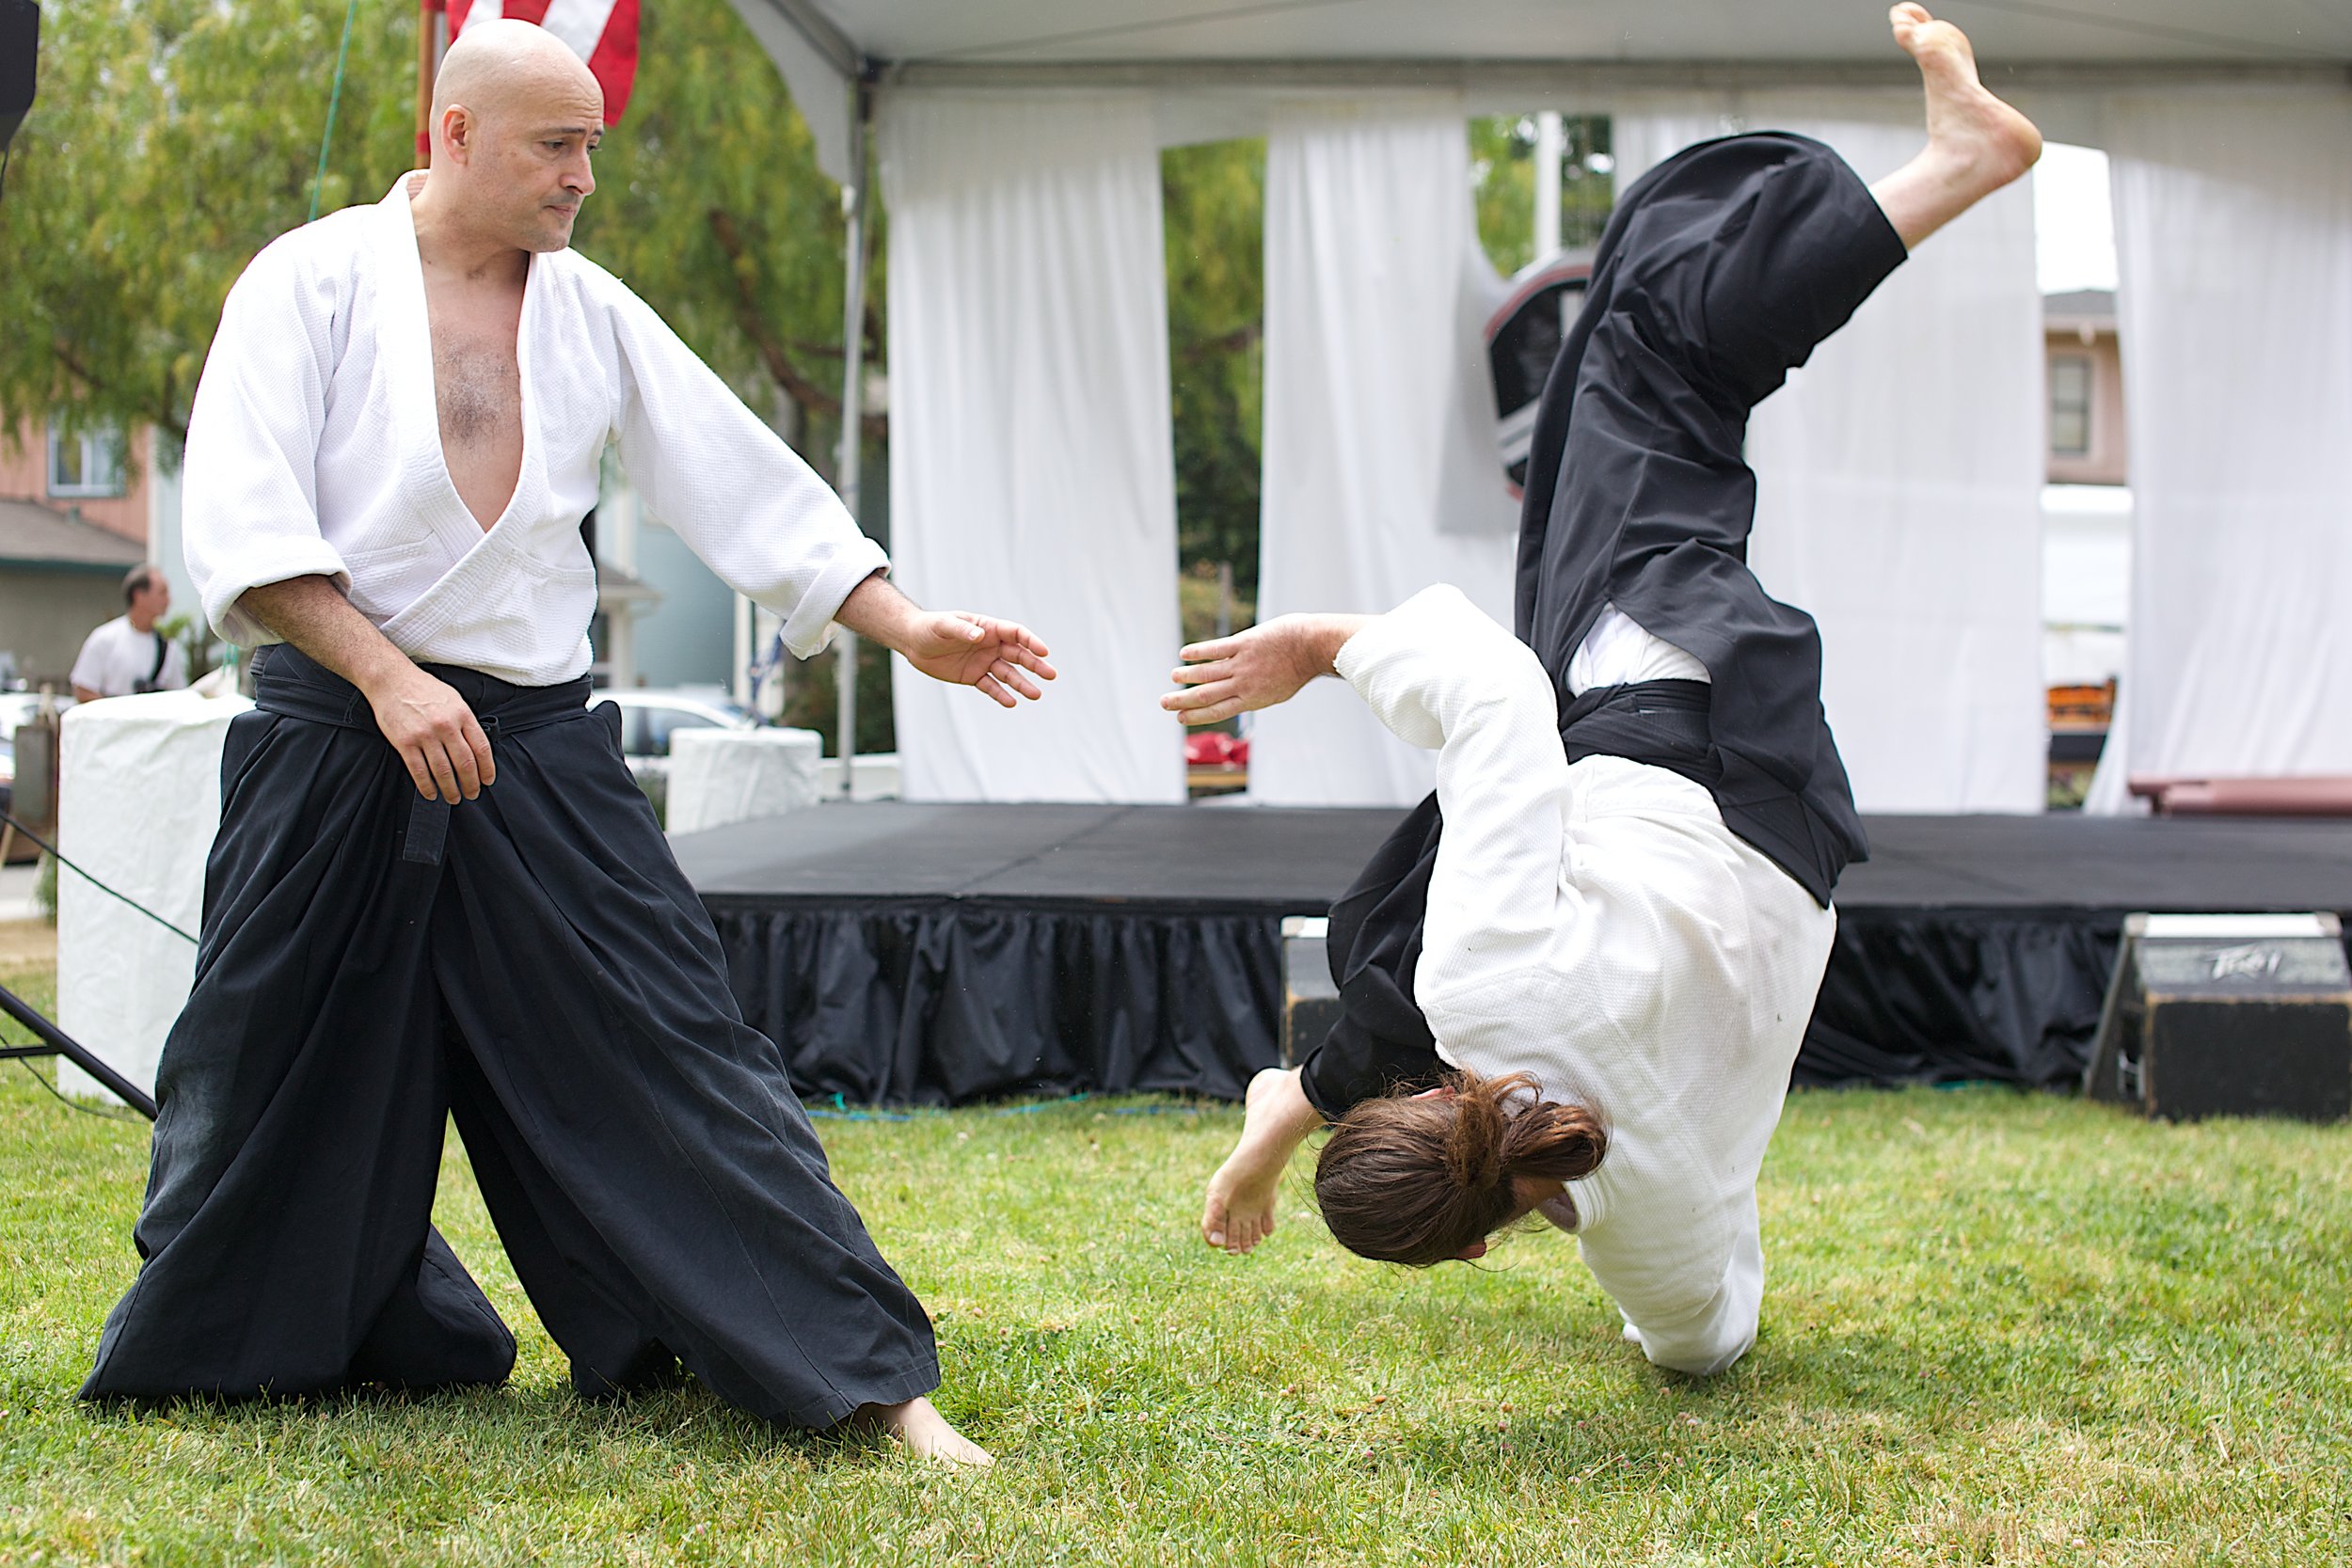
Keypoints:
pixel 199 647
pixel 812 699
pixel 1502 174
pixel 1197 603
pixel 171 139
pixel 1214 216
pixel 1999 1328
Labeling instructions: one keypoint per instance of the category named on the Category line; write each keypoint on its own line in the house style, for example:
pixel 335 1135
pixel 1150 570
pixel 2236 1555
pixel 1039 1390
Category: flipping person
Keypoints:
pixel 1575 978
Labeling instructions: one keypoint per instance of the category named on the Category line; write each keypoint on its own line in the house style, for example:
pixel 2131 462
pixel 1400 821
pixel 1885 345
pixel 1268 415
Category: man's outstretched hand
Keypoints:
pixel 1004 659
pixel 999 658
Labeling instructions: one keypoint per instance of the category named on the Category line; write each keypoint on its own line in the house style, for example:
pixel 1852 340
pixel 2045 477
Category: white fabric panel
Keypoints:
pixel 139 798
pixel 2233 234
pixel 721 776
pixel 1900 485
pixel 818 89
pixel 1206 39
pixel 1032 463
pixel 1381 475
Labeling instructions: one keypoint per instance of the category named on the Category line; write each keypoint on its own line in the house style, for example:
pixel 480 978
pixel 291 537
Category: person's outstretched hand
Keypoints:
pixel 1258 668
pixel 997 657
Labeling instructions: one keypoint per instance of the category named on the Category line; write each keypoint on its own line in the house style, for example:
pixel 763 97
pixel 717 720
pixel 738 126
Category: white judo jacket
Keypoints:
pixel 1597 927
pixel 314 448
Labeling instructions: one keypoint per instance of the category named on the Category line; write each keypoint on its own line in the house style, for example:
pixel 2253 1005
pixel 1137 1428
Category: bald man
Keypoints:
pixel 436 889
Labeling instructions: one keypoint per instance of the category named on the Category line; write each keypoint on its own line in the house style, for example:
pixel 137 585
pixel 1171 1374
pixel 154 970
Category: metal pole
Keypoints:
pixel 1549 142
pixel 853 412
pixel 57 1042
pixel 429 14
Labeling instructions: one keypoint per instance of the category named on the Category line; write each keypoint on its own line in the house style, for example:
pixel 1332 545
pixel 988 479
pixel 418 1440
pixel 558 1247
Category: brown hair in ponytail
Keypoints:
pixel 1415 1181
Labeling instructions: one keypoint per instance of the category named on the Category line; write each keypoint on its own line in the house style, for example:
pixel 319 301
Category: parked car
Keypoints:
pixel 650 717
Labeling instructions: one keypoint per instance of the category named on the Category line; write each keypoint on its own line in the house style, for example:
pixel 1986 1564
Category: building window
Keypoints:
pixel 2069 405
pixel 87 463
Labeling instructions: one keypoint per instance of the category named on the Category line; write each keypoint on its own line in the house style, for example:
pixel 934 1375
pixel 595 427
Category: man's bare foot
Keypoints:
pixel 1976 143
pixel 920 1426
pixel 1276 1120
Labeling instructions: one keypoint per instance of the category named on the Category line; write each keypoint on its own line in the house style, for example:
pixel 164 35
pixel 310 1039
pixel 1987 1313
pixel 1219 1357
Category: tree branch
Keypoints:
pixel 166 418
pixel 1241 336
pixel 772 349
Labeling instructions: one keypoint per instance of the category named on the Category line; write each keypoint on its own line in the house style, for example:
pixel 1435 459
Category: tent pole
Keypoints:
pixel 853 411
pixel 430 14
pixel 1550 139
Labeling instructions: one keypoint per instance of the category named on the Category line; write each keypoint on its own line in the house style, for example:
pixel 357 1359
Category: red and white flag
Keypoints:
pixel 602 32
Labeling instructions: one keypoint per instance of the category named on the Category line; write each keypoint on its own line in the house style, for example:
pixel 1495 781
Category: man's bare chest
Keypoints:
pixel 477 390
pixel 476 383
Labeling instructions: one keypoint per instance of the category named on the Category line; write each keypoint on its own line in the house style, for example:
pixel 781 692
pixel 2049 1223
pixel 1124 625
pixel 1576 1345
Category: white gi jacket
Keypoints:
pixel 314 448
pixel 1597 927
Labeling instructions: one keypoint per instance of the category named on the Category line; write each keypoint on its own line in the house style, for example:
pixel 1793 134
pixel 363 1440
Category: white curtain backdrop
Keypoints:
pixel 1032 468
pixel 2233 237
pixel 1900 479
pixel 1381 470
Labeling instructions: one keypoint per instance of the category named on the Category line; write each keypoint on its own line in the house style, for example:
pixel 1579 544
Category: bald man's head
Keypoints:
pixel 492 61
pixel 515 115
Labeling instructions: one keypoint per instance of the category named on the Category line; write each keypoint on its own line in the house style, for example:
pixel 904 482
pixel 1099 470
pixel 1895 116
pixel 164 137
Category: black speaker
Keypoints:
pixel 2228 1016
pixel 19 42
pixel 1311 1003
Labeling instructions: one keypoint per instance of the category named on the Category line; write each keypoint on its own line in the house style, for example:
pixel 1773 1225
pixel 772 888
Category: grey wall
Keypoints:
pixel 45 612
pixel 688 639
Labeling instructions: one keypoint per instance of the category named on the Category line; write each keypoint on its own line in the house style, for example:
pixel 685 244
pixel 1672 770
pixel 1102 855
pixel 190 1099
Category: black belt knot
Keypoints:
pixel 1662 723
pixel 290 683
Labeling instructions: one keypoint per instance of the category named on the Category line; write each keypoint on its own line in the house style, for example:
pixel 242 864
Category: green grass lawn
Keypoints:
pixel 1998 1329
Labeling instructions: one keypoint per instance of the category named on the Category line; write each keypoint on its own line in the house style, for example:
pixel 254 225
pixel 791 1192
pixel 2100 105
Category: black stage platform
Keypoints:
pixel 940 954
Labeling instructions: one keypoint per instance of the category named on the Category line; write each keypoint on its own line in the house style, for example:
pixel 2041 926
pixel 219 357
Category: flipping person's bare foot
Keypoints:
pixel 919 1425
pixel 1976 143
pixel 1276 1120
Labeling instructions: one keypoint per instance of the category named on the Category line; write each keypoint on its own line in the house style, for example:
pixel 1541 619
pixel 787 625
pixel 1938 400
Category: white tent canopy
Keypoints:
pixel 1032 462
pixel 822 46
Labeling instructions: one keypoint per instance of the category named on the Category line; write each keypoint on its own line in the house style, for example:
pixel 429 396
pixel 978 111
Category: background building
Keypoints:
pixel 2086 533
pixel 76 513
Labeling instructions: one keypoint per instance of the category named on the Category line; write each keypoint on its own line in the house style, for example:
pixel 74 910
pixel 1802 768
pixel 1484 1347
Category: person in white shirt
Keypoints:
pixel 1575 981
pixel 436 889
pixel 128 654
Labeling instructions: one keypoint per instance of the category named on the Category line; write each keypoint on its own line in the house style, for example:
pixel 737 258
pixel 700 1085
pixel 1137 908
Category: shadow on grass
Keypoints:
pixel 687 1421
pixel 1873 1389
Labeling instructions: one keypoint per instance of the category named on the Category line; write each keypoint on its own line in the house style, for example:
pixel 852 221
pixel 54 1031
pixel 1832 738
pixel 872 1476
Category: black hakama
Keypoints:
pixel 1720 271
pixel 534 961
